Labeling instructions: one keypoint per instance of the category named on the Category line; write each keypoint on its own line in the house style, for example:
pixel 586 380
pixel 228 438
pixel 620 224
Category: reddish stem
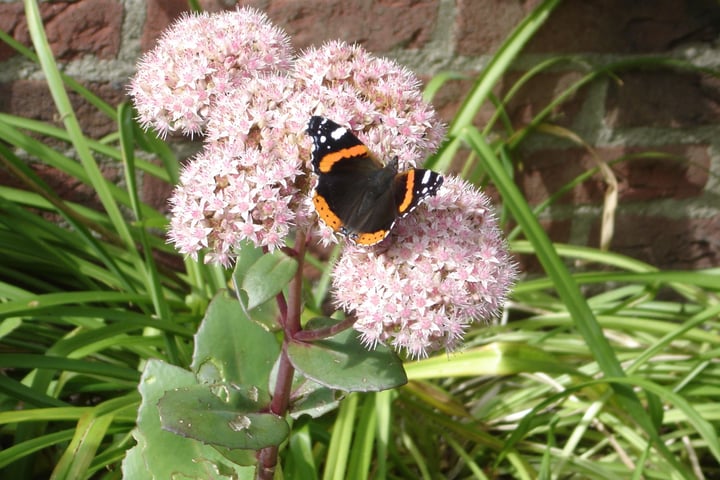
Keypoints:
pixel 267 457
pixel 290 310
pixel 282 307
pixel 325 332
pixel 294 301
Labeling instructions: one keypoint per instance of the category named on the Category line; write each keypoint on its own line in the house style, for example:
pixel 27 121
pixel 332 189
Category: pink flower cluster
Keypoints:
pixel 232 78
pixel 249 182
pixel 452 250
pixel 200 58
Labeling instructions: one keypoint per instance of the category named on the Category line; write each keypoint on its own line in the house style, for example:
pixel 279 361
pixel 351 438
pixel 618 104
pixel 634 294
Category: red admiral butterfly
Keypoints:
pixel 356 195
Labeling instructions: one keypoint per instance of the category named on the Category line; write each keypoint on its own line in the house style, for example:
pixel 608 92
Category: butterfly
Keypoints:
pixel 356 195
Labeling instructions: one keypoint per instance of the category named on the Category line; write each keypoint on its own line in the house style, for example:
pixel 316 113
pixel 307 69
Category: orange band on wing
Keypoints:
pixel 409 187
pixel 370 238
pixel 326 214
pixel 327 162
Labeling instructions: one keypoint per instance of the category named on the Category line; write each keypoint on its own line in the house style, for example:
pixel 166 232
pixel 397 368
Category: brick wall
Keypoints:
pixel 669 203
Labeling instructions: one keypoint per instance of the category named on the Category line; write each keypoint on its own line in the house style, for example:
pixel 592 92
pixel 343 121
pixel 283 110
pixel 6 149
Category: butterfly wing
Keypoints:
pixel 412 187
pixel 353 194
pixel 337 150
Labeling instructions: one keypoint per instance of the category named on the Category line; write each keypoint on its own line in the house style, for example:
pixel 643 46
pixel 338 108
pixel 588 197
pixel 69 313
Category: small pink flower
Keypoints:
pixel 443 267
pixel 201 57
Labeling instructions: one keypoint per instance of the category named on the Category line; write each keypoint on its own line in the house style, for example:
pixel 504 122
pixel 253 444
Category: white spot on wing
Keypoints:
pixel 338 133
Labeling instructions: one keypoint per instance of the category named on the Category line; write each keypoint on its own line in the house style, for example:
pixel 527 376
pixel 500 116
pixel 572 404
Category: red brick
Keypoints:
pixel 545 172
pixel 75 29
pixel 380 26
pixel 663 99
pixel 621 26
pixel 482 25
pixel 31 99
pixel 682 172
pixel 12 22
pixel 595 26
pixel 160 14
pixel 86 27
pixel 219 5
pixel 667 242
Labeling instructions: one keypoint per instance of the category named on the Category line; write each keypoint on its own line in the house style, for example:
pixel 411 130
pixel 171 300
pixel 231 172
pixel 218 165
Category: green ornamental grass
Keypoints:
pixel 124 358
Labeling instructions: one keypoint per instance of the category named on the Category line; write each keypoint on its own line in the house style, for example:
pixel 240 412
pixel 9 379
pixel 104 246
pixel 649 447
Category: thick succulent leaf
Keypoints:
pixel 197 412
pixel 232 349
pixel 342 362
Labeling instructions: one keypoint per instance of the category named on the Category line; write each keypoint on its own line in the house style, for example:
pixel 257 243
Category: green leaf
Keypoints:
pixel 343 362
pixel 363 444
pixel 247 255
pixel 70 120
pixel 300 461
pixel 500 358
pixel 231 348
pixel 163 454
pixel 339 448
pixel 267 277
pixel 133 465
pixel 195 412
pixel 82 449
pixel 266 313
pixel 8 325
pixel 311 398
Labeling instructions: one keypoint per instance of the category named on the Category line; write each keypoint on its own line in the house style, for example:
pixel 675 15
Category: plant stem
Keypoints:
pixel 294 301
pixel 325 332
pixel 267 457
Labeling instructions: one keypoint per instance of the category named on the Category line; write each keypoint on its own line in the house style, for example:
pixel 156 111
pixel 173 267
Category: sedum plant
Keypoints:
pixel 246 198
